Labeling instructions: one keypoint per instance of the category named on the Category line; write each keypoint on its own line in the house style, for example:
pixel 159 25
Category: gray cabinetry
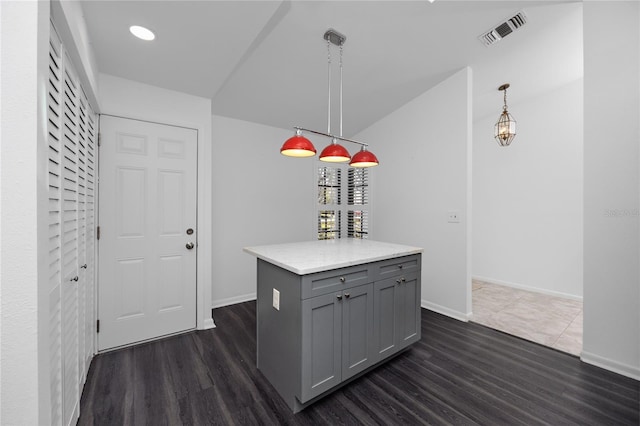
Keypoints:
pixel 337 338
pixel 396 313
pixel 328 327
pixel 321 344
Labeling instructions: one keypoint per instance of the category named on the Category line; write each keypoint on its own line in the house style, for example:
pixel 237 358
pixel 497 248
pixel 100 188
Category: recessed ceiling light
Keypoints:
pixel 142 32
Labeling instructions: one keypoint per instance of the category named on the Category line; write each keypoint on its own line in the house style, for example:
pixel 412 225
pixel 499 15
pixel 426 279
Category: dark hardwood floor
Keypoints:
pixel 459 373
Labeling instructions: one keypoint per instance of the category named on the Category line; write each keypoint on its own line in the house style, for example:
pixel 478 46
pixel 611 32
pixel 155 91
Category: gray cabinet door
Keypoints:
pixel 357 330
pixel 396 313
pixel 321 344
pixel 410 309
pixel 386 316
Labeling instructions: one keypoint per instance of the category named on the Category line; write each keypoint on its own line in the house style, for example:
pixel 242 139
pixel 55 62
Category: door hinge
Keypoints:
pixel 97 326
pixel 98 233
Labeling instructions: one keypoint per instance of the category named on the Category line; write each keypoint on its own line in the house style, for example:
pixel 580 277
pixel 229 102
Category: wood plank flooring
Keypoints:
pixel 459 373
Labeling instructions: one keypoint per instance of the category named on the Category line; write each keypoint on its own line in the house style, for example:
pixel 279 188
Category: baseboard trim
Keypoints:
pixel 445 311
pixel 527 288
pixel 611 365
pixel 233 300
pixel 208 324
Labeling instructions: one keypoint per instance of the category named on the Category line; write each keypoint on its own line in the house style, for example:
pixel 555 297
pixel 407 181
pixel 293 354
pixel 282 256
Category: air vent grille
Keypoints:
pixel 503 29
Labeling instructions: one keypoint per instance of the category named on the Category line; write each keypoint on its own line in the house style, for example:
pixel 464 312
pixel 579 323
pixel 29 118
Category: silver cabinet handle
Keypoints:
pixel 347 295
pixel 76 278
pixel 400 266
pixel 189 245
pixel 398 281
pixel 342 279
pixel 339 296
pixel 84 266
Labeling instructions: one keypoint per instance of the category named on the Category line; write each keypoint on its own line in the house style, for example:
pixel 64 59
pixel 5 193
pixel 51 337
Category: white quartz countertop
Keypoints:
pixel 316 256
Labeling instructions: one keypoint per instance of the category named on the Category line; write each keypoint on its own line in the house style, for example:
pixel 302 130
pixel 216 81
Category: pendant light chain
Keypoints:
pixel 504 108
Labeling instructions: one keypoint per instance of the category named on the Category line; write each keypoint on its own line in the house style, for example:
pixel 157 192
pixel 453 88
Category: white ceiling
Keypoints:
pixel 266 61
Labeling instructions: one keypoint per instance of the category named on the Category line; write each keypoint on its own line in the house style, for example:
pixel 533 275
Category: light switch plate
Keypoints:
pixel 276 299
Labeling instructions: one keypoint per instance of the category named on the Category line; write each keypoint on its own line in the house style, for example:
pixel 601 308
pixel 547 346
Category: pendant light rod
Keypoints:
pixel 328 85
pixel 340 91
pixel 330 136
pixel 333 37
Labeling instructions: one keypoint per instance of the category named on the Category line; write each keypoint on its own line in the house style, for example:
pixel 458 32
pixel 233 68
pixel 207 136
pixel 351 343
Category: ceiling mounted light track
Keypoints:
pixel 300 146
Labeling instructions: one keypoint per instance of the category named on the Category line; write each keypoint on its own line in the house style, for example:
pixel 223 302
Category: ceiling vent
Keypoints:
pixel 503 29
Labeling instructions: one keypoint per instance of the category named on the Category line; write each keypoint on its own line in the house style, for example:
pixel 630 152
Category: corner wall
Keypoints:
pixel 611 186
pixel 24 266
pixel 424 149
pixel 259 197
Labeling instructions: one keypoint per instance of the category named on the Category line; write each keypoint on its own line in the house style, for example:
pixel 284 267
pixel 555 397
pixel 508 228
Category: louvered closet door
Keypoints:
pixel 90 238
pixel 84 310
pixel 71 176
pixel 55 228
pixel 70 273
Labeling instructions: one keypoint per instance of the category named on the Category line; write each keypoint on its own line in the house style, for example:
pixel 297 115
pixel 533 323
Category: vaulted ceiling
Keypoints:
pixel 266 61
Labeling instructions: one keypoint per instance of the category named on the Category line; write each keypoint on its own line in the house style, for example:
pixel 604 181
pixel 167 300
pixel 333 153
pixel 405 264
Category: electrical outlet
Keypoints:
pixel 453 216
pixel 276 299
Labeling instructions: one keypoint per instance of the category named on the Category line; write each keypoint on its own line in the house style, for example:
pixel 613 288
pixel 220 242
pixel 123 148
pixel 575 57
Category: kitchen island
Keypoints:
pixel 329 311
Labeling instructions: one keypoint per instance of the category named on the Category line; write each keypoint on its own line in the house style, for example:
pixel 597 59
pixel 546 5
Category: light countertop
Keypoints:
pixel 315 256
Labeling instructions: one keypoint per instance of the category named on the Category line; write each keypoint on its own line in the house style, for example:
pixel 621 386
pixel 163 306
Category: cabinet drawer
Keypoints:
pixel 335 280
pixel 397 266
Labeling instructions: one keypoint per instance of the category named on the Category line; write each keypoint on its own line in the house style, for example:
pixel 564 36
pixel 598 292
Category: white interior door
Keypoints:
pixel 147 220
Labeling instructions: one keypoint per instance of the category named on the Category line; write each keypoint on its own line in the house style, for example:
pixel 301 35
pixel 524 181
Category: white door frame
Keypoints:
pixel 204 319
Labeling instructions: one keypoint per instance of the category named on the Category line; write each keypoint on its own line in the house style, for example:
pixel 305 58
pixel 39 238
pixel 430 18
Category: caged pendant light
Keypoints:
pixel 300 146
pixel 505 128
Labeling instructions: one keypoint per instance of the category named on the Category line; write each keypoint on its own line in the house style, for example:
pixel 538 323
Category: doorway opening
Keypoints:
pixel 549 320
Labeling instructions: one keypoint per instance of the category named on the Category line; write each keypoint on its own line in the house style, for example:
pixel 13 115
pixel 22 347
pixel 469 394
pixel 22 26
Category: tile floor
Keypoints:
pixel 549 320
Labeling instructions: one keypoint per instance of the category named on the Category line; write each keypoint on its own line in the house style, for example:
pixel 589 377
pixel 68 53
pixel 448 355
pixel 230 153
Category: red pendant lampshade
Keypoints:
pixel 364 158
pixel 335 153
pixel 298 146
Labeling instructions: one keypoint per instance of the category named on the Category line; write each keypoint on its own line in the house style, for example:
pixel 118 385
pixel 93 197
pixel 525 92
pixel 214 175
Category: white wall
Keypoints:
pixel 527 198
pixel 425 159
pixel 259 197
pixel 24 337
pixel 130 99
pixel 71 27
pixel 611 186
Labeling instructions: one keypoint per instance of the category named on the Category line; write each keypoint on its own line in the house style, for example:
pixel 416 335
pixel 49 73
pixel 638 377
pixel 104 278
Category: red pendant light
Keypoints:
pixel 335 153
pixel 298 146
pixel 364 158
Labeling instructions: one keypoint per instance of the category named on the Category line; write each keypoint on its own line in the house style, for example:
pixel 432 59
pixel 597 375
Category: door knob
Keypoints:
pixel 190 245
pixel 74 278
